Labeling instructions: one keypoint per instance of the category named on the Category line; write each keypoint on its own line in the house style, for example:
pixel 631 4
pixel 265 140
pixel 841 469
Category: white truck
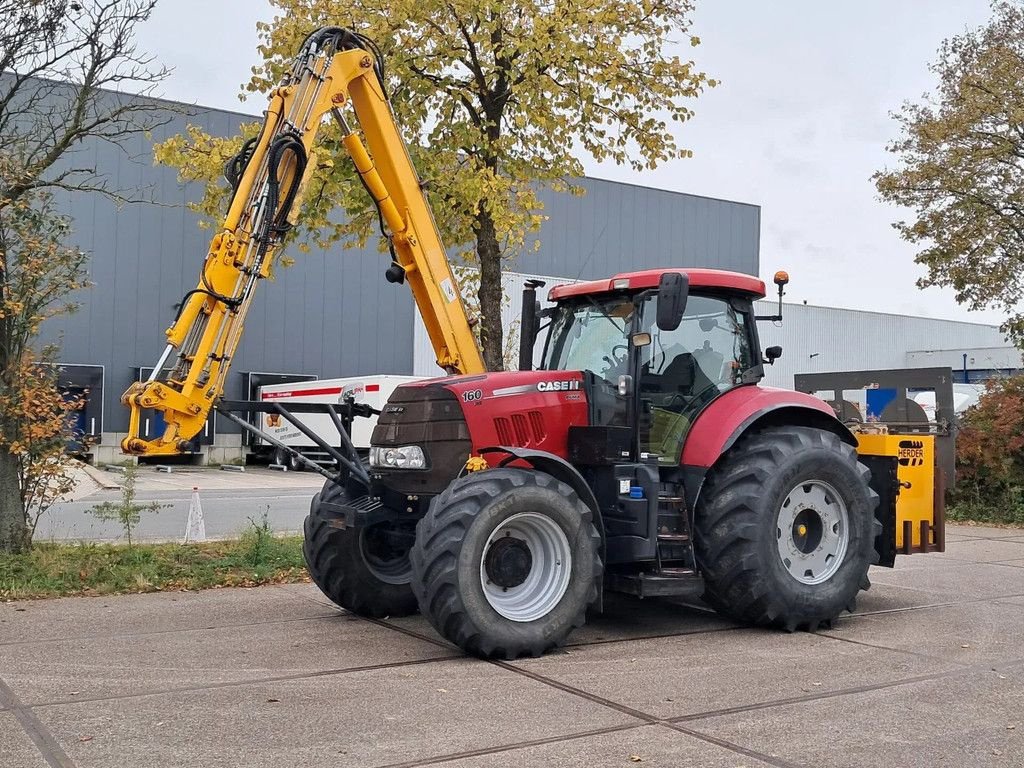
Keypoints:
pixel 372 390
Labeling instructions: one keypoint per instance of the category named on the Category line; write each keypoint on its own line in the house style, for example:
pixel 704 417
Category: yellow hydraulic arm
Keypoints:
pixel 336 70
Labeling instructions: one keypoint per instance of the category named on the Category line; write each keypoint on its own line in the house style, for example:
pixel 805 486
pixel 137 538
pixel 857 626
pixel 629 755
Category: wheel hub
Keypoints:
pixel 508 562
pixel 812 532
pixel 385 551
pixel 525 566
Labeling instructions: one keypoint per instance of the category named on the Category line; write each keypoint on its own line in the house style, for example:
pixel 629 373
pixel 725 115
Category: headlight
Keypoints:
pixel 404 457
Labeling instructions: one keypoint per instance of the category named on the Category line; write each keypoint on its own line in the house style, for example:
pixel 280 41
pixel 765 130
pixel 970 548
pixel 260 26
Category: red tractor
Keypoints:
pixel 642 455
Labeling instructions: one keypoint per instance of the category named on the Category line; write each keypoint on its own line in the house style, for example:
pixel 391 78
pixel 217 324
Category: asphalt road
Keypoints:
pixel 227 512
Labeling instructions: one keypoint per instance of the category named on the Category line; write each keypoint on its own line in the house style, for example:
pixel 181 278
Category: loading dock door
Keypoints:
pixel 85 382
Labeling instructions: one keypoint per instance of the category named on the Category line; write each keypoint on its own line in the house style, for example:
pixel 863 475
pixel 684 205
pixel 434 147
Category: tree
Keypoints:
pixel 37 273
pixel 496 99
pixel 61 64
pixel 990 455
pixel 961 154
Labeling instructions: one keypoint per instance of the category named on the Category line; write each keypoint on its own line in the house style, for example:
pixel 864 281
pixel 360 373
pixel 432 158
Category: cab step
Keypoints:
pixel 675 581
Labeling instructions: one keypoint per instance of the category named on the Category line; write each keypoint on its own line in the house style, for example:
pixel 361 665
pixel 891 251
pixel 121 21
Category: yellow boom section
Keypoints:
pixel 336 70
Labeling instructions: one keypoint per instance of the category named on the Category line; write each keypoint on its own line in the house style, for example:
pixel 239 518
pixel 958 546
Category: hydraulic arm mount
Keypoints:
pixel 336 70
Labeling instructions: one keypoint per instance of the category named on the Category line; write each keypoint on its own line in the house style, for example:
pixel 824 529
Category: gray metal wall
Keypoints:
pixel 332 313
pixel 821 339
pixel 619 227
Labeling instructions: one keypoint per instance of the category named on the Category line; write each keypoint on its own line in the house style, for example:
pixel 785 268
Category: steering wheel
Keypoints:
pixel 625 352
pixel 671 399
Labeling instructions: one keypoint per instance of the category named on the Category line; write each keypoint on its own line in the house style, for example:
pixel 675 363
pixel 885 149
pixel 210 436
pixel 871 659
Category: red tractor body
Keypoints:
pixel 642 455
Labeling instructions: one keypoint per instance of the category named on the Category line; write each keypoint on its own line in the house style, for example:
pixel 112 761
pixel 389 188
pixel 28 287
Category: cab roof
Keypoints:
pixel 648 278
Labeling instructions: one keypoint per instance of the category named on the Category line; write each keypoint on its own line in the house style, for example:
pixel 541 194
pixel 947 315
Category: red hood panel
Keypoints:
pixel 524 409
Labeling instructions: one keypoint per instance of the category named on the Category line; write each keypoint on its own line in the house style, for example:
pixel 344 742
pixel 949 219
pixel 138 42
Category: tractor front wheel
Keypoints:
pixel 364 570
pixel 786 529
pixel 506 563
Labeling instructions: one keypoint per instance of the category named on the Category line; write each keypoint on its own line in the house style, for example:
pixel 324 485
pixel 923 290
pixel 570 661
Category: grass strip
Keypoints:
pixel 62 570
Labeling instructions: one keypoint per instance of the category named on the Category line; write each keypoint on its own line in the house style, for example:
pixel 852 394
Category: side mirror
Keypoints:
pixel 771 354
pixel 673 290
pixel 640 339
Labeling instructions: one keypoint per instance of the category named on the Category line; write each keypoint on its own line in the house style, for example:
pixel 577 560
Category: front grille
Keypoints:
pixel 430 417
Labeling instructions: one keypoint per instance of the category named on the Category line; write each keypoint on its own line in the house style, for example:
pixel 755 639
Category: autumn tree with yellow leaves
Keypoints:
pixel 61 65
pixel 496 100
pixel 961 168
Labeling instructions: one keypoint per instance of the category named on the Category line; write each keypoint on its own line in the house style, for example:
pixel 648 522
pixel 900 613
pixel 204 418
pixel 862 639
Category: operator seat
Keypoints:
pixel 681 380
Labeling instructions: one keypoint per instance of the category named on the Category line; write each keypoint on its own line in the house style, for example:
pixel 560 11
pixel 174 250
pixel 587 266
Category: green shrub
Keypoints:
pixel 990 456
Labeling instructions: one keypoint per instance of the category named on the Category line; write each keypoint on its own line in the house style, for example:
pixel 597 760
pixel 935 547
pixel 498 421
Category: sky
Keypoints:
pixel 798 125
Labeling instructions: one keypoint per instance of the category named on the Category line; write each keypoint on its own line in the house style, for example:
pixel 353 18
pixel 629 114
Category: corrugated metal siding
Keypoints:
pixel 332 314
pixel 820 339
pixel 617 227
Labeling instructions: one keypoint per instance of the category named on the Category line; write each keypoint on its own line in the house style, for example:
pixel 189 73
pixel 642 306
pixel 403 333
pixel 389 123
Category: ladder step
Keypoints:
pixel 674 537
pixel 676 572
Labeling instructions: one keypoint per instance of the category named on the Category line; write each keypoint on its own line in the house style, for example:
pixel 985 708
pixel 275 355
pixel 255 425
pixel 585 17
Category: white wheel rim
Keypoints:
pixel 549 571
pixel 812 532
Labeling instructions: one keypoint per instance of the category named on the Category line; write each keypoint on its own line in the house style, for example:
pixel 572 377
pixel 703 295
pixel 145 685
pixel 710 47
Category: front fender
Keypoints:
pixel 725 419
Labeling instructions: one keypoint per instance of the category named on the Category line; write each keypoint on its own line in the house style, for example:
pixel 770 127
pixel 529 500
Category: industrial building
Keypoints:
pixel 332 313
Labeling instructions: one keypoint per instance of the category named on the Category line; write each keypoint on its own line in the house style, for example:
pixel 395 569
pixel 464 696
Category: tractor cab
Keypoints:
pixel 656 348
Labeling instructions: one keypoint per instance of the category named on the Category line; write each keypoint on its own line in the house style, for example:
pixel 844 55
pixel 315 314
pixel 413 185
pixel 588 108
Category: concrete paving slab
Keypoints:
pixel 979 551
pixel 624 618
pixel 958 582
pixel 888 597
pixel 78 670
pixel 968 634
pixel 80 617
pixel 630 618
pixel 983 531
pixel 16 749
pixel 670 677
pixel 367 718
pixel 654 745
pixel 957 721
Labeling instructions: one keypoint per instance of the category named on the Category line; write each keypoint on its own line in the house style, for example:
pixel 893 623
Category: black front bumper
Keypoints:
pixel 355 513
pixel 362 511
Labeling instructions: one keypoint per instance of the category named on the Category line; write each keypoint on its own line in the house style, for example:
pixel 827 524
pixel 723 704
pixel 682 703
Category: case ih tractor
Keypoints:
pixel 640 456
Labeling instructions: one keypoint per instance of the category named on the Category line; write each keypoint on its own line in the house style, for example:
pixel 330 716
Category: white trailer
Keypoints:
pixel 372 390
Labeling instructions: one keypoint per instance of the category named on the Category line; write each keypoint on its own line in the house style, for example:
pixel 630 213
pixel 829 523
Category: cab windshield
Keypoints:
pixel 590 335
pixel 710 348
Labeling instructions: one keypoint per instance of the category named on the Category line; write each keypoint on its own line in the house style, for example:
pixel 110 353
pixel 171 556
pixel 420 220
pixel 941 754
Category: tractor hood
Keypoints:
pixel 453 418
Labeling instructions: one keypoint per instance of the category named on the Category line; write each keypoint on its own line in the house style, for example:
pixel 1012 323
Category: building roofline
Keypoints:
pixel 885 314
pixel 259 116
pixel 671 191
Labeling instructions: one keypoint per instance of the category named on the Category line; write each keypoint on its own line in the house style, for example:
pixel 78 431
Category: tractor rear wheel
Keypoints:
pixel 365 570
pixel 786 529
pixel 506 562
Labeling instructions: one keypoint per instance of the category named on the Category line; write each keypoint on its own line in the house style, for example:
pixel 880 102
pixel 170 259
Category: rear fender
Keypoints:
pixel 561 470
pixel 726 419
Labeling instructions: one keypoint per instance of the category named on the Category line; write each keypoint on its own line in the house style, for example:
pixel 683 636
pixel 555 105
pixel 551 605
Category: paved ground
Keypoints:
pixel 229 501
pixel 929 672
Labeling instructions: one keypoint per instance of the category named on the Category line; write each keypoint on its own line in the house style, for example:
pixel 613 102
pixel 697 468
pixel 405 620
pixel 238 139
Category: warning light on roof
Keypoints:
pixel 781 278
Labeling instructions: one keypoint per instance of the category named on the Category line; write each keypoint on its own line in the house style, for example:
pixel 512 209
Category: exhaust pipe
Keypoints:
pixel 529 324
